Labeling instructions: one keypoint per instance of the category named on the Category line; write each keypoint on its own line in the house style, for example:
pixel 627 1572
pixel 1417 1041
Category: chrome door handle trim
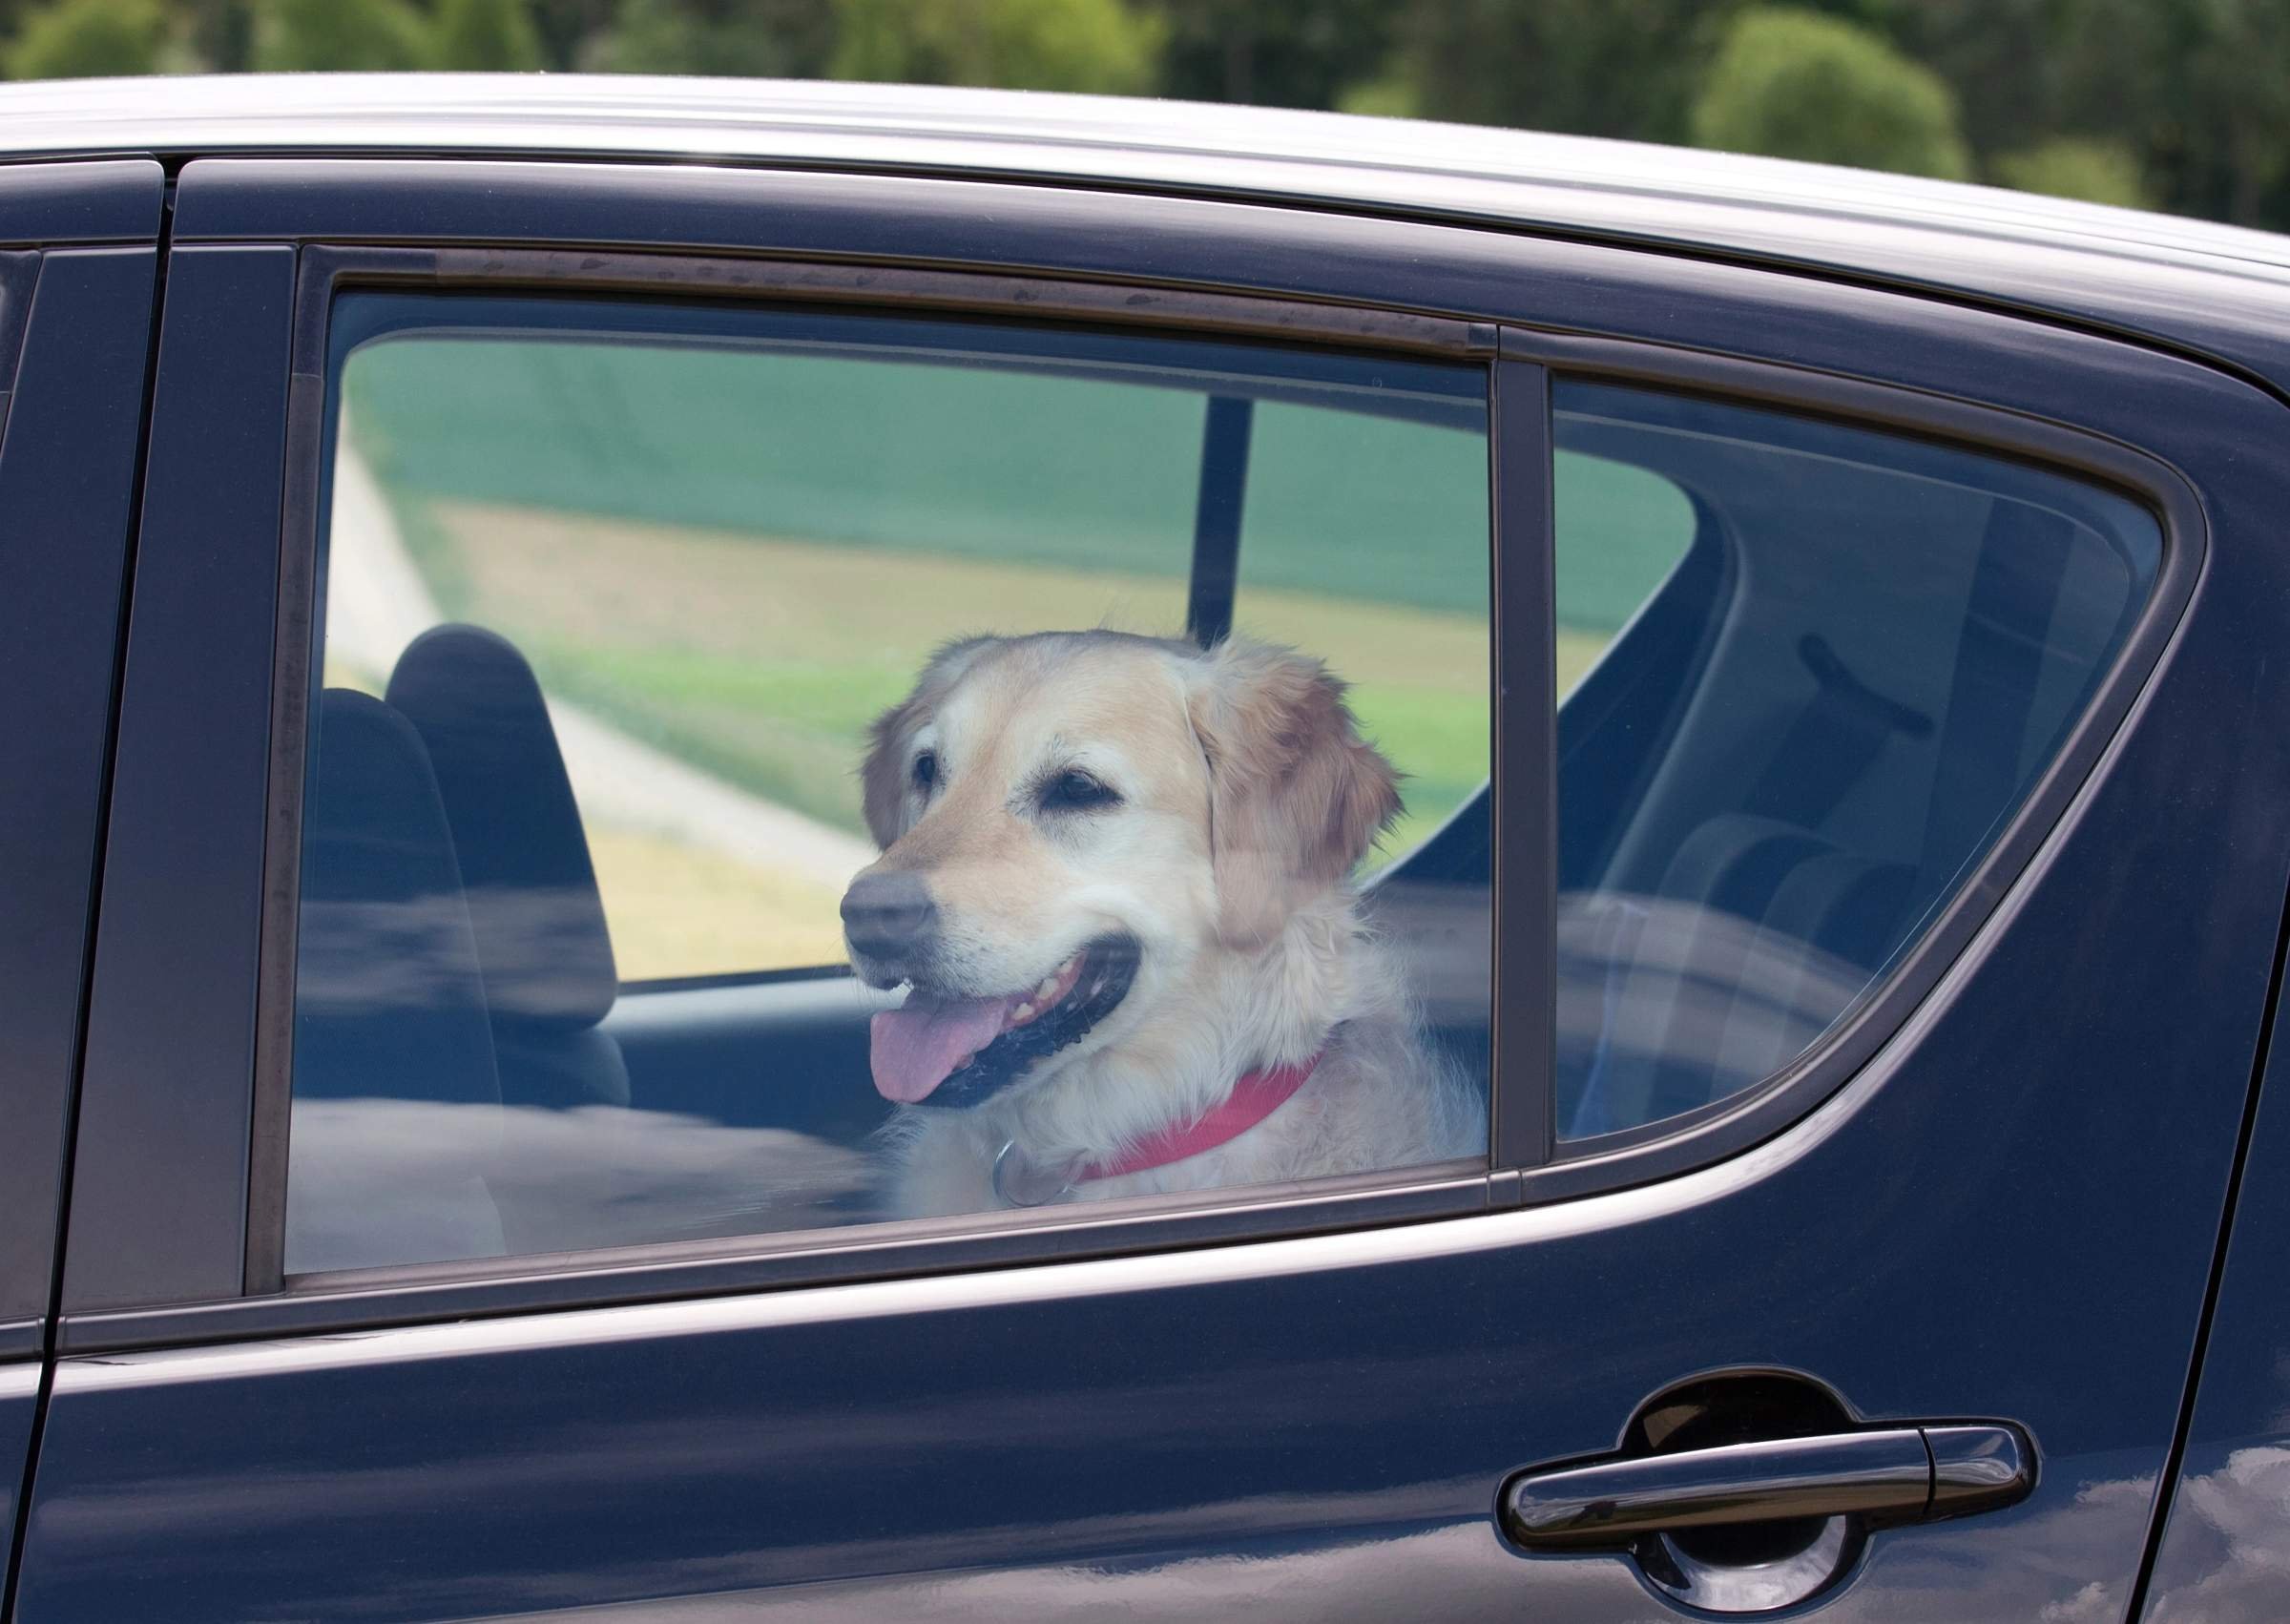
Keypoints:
pixel 1887 1474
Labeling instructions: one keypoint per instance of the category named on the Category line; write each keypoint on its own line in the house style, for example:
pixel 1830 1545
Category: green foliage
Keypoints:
pixel 485 35
pixel 2067 166
pixel 335 36
pixel 1390 95
pixel 1270 52
pixel 1588 66
pixel 1043 45
pixel 1793 84
pixel 2199 89
pixel 770 39
pixel 82 39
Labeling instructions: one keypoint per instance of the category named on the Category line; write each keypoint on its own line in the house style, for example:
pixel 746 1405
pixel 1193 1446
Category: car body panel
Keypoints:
pixel 183 859
pixel 73 325
pixel 67 483
pixel 19 1405
pixel 98 200
pixel 2222 1556
pixel 2033 1167
pixel 2218 289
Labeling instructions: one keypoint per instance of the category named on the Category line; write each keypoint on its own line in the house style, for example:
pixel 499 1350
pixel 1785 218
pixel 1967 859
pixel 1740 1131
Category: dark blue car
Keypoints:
pixel 455 537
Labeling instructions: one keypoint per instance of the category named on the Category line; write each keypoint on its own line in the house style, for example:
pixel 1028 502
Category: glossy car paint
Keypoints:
pixel 2214 287
pixel 2226 1552
pixel 2033 1168
pixel 73 327
pixel 74 323
pixel 19 1405
pixel 183 860
pixel 66 479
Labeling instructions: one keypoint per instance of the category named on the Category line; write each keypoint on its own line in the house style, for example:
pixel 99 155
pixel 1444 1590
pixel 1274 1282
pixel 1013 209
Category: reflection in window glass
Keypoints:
pixel 1839 659
pixel 1625 527
pixel 648 627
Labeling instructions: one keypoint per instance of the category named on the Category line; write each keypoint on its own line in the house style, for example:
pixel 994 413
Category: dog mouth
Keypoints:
pixel 945 1050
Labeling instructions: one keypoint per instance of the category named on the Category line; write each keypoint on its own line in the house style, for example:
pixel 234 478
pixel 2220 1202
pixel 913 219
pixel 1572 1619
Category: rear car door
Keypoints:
pixel 77 265
pixel 1865 962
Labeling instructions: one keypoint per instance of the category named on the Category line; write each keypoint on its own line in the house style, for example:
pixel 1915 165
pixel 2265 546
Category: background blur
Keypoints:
pixel 2182 105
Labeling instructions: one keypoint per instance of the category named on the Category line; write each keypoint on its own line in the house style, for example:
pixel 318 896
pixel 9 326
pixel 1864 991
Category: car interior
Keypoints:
pixel 1767 780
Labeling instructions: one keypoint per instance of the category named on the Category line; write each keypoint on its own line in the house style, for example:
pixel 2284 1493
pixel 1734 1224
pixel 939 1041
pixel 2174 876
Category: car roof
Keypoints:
pixel 2219 290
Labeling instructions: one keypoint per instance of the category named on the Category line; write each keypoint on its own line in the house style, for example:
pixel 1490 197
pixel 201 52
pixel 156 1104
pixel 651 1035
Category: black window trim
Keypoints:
pixel 1528 1167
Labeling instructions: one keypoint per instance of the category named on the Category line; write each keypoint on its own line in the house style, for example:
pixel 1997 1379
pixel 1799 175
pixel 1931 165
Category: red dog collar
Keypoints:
pixel 1254 1097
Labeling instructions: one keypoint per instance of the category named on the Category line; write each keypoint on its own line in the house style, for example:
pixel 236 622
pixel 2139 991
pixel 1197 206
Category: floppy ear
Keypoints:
pixel 883 773
pixel 1296 796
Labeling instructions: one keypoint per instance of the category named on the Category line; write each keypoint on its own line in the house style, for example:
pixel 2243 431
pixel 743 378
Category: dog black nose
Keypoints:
pixel 887 916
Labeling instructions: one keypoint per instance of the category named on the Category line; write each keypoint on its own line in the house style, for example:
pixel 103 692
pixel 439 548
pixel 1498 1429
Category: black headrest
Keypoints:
pixel 387 1001
pixel 541 937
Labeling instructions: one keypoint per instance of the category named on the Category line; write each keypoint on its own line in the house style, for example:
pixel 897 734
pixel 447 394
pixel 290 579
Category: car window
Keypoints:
pixel 646 626
pixel 1838 660
pixel 1625 528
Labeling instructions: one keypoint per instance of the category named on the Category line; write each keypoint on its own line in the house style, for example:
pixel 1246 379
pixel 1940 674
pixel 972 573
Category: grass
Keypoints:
pixel 678 911
pixel 763 659
pixel 743 556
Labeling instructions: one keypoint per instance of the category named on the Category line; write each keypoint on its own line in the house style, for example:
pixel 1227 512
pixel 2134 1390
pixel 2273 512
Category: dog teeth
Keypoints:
pixel 1048 987
pixel 1023 1012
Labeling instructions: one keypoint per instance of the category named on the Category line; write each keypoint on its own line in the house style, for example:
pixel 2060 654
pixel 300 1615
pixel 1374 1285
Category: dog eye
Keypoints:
pixel 1076 792
pixel 926 771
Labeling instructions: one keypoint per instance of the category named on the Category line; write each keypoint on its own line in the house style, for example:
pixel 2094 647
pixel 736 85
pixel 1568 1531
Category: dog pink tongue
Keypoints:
pixel 914 1047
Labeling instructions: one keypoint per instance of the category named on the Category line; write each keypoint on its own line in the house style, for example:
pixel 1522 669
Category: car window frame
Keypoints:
pixel 328 271
pixel 1621 329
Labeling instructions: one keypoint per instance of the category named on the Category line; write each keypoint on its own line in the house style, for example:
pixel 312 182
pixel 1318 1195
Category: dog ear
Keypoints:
pixel 883 773
pixel 1296 796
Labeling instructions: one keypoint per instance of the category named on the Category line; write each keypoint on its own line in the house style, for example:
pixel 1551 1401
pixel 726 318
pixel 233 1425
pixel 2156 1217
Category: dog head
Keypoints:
pixel 1070 822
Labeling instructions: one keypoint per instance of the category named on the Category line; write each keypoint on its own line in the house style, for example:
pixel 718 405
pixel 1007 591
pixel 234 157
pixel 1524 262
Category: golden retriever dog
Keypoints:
pixel 1116 877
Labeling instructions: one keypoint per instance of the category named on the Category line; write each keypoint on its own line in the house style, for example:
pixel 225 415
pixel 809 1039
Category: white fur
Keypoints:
pixel 1205 1006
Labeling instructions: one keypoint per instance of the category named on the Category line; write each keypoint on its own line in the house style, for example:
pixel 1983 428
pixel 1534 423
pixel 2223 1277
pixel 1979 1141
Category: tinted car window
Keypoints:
pixel 638 622
pixel 1829 701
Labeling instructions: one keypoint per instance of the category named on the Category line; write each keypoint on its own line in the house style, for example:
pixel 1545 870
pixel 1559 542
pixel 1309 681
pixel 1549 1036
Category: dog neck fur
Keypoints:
pixel 1279 1003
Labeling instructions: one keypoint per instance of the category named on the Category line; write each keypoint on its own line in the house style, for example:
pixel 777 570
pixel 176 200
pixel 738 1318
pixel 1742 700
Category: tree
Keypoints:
pixel 2066 166
pixel 1270 52
pixel 82 39
pixel 485 35
pixel 333 36
pixel 1043 45
pixel 2198 88
pixel 1622 68
pixel 570 29
pixel 771 39
pixel 2010 63
pixel 1793 84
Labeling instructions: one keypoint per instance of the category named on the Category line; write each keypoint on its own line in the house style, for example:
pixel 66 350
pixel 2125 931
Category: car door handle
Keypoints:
pixel 1899 1475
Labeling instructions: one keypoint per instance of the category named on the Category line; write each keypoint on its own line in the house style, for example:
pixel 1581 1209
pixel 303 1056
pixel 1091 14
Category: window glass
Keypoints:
pixel 648 626
pixel 1624 529
pixel 1818 669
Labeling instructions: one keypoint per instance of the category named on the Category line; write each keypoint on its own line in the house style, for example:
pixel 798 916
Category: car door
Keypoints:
pixel 76 308
pixel 1879 936
pixel 2218 1553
